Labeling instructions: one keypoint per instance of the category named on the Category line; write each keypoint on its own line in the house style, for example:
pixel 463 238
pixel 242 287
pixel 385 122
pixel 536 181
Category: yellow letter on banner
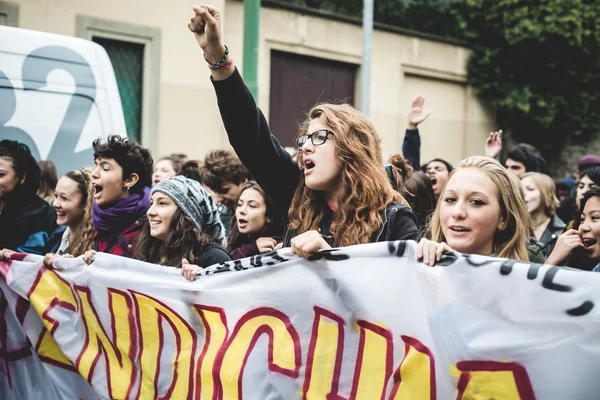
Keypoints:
pixel 284 354
pixel 325 354
pixel 215 334
pixel 49 291
pixel 415 378
pixel 373 362
pixel 118 351
pixel 492 380
pixel 151 315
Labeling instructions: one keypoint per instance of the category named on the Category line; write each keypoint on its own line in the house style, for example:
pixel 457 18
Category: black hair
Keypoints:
pixel 274 228
pixel 529 156
pixel 25 166
pixel 449 166
pixel 591 172
pixel 595 192
pixel 579 257
pixel 133 158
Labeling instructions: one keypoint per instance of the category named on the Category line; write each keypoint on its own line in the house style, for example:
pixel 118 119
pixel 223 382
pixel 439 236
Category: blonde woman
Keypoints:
pixel 73 197
pixel 541 202
pixel 480 211
pixel 338 193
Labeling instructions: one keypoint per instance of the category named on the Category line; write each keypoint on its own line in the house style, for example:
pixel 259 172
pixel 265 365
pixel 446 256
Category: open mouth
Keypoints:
pixel 459 229
pixel 61 214
pixel 242 222
pixel 97 191
pixel 308 165
pixel 154 223
pixel 589 243
pixel 432 180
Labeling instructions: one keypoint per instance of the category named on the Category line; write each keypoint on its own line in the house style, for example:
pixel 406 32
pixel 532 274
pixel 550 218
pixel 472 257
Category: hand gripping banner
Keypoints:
pixel 364 322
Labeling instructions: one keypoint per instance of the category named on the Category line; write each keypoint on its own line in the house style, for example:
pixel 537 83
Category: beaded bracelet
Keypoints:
pixel 227 65
pixel 220 63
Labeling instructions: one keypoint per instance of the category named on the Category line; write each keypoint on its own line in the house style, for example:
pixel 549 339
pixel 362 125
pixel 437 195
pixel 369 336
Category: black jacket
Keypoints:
pixel 272 167
pixel 212 253
pixel 21 218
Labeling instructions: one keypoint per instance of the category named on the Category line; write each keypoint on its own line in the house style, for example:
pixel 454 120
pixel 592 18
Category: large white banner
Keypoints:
pixel 365 322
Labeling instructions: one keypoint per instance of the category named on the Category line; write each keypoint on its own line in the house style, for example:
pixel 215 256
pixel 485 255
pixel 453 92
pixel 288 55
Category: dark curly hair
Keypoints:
pixel 25 166
pixel 221 167
pixel 133 158
pixel 184 240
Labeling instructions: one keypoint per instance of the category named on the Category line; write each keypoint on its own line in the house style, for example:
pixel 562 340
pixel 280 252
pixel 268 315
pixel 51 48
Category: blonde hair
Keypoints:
pixel 510 242
pixel 547 189
pixel 364 187
pixel 84 233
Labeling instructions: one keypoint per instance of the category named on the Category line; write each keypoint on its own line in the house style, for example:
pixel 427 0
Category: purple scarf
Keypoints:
pixel 115 219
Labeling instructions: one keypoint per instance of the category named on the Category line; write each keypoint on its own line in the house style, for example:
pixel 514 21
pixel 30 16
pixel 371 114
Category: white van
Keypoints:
pixel 57 94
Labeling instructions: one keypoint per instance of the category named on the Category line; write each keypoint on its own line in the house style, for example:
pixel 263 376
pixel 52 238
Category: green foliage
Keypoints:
pixel 537 62
pixel 430 16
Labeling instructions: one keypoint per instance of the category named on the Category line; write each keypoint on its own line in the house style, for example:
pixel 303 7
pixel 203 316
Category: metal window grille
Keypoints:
pixel 128 62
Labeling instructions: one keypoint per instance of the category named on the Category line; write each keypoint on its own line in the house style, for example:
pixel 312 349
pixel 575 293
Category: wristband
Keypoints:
pixel 220 63
pixel 227 65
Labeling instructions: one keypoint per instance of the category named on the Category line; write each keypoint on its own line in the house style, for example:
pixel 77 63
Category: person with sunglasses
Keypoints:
pixel 337 193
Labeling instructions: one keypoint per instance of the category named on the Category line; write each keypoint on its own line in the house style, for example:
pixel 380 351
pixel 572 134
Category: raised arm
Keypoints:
pixel 411 147
pixel 249 134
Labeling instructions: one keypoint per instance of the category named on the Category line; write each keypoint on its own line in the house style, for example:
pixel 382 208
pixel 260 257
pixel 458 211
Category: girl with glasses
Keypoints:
pixel 337 194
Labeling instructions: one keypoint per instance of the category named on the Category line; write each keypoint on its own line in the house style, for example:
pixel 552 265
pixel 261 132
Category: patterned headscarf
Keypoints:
pixel 195 203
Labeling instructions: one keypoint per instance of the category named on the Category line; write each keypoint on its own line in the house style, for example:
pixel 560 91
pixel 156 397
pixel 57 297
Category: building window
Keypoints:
pixel 134 51
pixel 9 13
pixel 128 62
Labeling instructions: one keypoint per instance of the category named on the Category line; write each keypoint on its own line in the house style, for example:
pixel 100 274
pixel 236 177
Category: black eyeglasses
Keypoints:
pixel 317 138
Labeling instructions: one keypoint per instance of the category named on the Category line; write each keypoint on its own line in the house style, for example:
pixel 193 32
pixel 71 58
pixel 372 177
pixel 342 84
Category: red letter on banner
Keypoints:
pixel 50 292
pixel 373 363
pixel 284 354
pixel 325 354
pixel 493 380
pixel 216 333
pixel 415 378
pixel 152 313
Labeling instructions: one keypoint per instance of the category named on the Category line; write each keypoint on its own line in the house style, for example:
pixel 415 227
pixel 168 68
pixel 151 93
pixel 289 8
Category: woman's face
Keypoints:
pixel 533 196
pixel 8 177
pixel 251 212
pixel 320 165
pixel 67 203
pixel 470 213
pixel 589 229
pixel 163 170
pixel 584 186
pixel 160 213
pixel 107 181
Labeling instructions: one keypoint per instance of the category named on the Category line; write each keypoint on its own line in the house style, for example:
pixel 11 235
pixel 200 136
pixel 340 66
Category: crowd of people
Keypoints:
pixel 334 190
